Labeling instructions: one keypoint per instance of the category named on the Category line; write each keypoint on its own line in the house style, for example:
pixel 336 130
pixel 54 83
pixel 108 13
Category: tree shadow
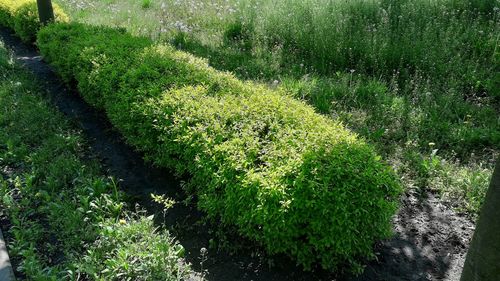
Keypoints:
pixel 430 243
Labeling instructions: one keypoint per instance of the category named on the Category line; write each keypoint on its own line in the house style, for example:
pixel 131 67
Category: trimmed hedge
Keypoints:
pixel 95 59
pixel 286 177
pixel 22 17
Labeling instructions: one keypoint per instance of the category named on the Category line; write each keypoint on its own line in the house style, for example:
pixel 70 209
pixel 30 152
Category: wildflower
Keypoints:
pixel 431 144
pixel 122 221
pixel 203 251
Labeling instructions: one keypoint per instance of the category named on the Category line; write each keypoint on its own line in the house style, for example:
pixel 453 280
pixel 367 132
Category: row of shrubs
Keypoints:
pixel 22 17
pixel 286 177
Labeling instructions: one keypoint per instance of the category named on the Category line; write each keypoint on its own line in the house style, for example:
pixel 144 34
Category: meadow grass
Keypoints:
pixel 418 79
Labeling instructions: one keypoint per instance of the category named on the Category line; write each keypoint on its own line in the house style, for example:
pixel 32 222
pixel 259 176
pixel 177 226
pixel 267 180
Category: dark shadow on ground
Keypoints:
pixel 430 241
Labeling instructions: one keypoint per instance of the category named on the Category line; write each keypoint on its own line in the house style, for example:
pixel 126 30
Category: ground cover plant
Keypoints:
pixel 67 221
pixel 417 79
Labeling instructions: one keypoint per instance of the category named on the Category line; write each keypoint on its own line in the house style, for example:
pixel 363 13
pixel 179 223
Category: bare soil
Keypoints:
pixel 430 240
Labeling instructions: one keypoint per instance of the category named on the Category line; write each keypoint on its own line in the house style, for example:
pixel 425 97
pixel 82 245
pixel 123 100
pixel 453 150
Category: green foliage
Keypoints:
pixel 378 113
pixel 291 180
pixel 146 4
pixel 286 177
pixel 97 57
pixel 402 74
pixel 240 34
pixel 463 186
pixel 130 249
pixel 27 22
pixel 7 11
pixel 68 221
pixel 383 38
pixel 22 16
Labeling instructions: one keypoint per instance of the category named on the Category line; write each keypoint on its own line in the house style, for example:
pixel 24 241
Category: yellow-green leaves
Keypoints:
pixel 22 16
pixel 288 178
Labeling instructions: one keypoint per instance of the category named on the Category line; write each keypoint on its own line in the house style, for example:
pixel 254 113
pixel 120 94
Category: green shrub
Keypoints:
pixel 291 180
pixel 287 178
pixel 27 22
pixel 7 10
pixel 22 16
pixel 96 57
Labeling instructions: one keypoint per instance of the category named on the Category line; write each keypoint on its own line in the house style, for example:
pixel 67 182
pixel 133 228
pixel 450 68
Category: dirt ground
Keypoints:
pixel 430 240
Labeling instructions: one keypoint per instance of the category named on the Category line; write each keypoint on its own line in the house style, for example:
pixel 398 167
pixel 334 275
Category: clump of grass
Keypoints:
pixel 146 4
pixel 380 113
pixel 464 186
pixel 383 38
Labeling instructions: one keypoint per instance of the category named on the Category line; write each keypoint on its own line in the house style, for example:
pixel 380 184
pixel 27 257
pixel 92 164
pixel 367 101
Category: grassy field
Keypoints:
pixel 65 220
pixel 417 79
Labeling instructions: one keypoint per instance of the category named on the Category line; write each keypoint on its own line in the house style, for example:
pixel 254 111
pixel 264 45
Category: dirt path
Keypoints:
pixel 430 242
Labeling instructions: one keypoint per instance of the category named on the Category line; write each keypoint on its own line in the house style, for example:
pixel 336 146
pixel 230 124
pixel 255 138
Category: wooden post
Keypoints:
pixel 45 11
pixel 483 258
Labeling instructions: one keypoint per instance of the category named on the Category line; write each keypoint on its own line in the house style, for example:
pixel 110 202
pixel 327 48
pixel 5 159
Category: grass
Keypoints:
pixel 67 221
pixel 146 4
pixel 417 79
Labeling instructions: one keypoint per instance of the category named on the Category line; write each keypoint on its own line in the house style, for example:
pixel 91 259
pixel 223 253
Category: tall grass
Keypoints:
pixel 450 41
